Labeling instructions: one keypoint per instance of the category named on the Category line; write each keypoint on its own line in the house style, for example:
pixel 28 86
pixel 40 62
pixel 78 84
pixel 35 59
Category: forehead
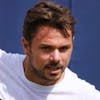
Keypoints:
pixel 50 35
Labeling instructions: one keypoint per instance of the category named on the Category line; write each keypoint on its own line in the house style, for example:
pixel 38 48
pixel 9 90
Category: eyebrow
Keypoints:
pixel 48 45
pixel 45 45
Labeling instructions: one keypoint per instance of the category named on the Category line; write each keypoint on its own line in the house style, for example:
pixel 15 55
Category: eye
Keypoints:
pixel 46 48
pixel 64 48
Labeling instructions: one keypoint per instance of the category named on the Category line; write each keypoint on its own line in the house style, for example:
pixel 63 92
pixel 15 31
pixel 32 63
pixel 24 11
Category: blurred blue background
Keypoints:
pixel 85 59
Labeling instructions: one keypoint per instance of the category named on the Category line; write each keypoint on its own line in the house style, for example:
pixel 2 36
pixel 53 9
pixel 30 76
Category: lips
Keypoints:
pixel 54 70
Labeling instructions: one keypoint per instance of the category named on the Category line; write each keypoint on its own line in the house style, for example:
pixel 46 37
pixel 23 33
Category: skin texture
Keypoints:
pixel 47 56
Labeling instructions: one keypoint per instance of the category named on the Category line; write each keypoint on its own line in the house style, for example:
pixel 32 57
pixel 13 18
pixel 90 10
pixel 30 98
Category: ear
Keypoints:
pixel 26 46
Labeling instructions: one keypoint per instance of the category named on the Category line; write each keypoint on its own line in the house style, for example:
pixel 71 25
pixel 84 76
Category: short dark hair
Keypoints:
pixel 47 14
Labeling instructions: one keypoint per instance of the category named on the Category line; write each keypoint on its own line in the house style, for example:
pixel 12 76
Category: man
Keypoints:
pixel 43 74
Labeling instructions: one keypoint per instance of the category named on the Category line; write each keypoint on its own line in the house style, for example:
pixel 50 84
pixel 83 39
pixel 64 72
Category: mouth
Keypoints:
pixel 54 70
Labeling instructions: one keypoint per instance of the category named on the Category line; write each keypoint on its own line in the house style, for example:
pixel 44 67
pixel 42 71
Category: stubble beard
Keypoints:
pixel 43 79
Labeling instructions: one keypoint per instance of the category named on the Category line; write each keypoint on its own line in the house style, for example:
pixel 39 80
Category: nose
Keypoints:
pixel 55 56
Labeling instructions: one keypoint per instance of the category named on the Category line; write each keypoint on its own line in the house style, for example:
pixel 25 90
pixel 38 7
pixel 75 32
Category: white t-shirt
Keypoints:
pixel 15 86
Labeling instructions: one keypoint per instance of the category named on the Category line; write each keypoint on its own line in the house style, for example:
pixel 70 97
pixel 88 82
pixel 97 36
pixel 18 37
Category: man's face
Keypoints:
pixel 49 54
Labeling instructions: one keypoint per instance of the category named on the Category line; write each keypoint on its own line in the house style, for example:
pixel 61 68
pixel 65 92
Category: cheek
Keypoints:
pixel 40 59
pixel 66 57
